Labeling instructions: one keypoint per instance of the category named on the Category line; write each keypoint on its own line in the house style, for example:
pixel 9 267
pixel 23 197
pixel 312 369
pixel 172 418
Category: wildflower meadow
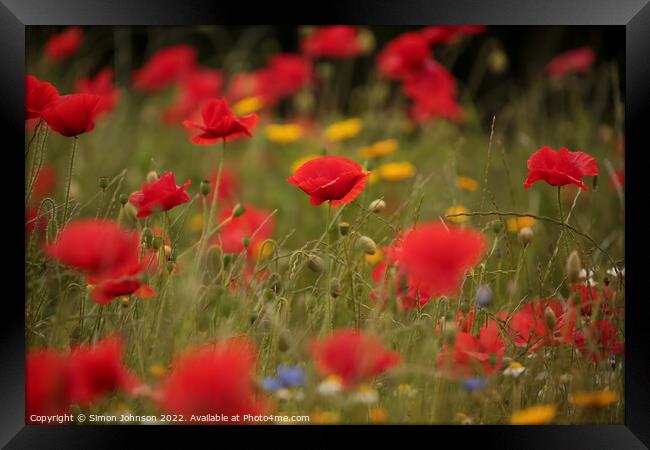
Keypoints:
pixel 320 225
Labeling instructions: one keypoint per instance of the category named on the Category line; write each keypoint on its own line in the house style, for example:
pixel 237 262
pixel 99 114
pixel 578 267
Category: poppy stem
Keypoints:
pixel 563 235
pixel 69 181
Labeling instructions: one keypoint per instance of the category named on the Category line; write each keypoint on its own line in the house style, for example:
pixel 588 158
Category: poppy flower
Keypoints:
pixel 599 341
pixel 449 34
pixel 213 379
pixel 560 167
pixel 72 115
pixel 38 96
pixel 436 256
pixel 250 85
pixel 94 247
pixel 161 195
pixel 338 41
pixel 403 55
pixel 578 60
pixel 530 326
pixel 93 371
pixel 288 74
pixel 589 295
pixel 195 89
pixel 63 45
pixel 220 123
pixel 471 355
pixel 45 388
pixel 335 178
pixel 434 93
pixel 254 224
pixel 165 67
pixel 102 85
pixel 45 182
pixel 353 356
pixel 125 280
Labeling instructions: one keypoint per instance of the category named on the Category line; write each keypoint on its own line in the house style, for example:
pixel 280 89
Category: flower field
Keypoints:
pixel 347 225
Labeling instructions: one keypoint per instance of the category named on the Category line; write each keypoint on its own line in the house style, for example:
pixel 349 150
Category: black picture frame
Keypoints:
pixel 634 15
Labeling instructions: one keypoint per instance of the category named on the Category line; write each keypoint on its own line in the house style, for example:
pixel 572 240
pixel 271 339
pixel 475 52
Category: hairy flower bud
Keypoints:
pixel 245 241
pixel 204 187
pixel 573 267
pixel 103 183
pixel 367 245
pixel 238 210
pixel 157 242
pixel 315 263
pixel 152 177
pixel 549 318
pixel 377 206
pixel 526 235
pixel 123 199
pixel 335 288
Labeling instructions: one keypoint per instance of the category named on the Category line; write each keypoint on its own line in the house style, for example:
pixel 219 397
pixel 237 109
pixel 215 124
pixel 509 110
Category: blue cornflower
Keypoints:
pixel 474 384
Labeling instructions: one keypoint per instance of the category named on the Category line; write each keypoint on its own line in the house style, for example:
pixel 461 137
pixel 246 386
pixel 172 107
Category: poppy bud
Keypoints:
pixel 103 183
pixel 497 61
pixel 245 241
pixel 147 235
pixel 123 199
pixel 483 296
pixel 497 226
pixel 252 317
pixel 315 264
pixel 526 236
pixel 335 288
pixel 549 318
pixel 152 177
pixel 238 210
pixel 157 242
pixel 205 187
pixel 227 259
pixel 377 206
pixel 573 267
pixel 170 266
pixel 344 228
pixel 367 245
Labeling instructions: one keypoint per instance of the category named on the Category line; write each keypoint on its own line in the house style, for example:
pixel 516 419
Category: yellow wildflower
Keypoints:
pixel 326 417
pixel 396 171
pixel 248 105
pixel 466 184
pixel 517 223
pixel 300 161
pixel 379 149
pixel 345 129
pixel 456 209
pixel 157 371
pixel 373 177
pixel 377 415
pixel 596 399
pixel 283 133
pixel 375 258
pixel 535 415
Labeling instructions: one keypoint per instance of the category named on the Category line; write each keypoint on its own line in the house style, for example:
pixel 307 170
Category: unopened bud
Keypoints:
pixel 573 267
pixel 526 235
pixel 205 187
pixel 103 183
pixel 152 177
pixel 245 241
pixel 335 288
pixel 344 228
pixel 377 206
pixel 549 318
pixel 483 296
pixel 123 199
pixel 238 210
pixel 157 242
pixel 367 245
pixel 497 226
pixel 315 264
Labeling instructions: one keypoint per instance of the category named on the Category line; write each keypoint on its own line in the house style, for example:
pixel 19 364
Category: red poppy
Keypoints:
pixel 529 328
pixel 352 355
pixel 45 182
pixel 74 114
pixel 464 321
pixel 288 74
pixel 161 195
pixel 335 178
pixel 339 41
pixel 590 296
pixel 45 388
pixel 599 340
pixel 165 67
pixel 449 34
pixel 213 379
pixel 102 85
pixel 249 84
pixel 578 60
pixel 436 256
pixel 195 90
pixel 94 247
pixel 560 167
pixel 403 55
pixel 254 224
pixel 471 355
pixel 125 280
pixel 38 96
pixel 93 371
pixel 220 123
pixel 62 45
pixel 434 93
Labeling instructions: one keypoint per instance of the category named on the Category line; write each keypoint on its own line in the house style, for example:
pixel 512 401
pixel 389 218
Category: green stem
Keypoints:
pixel 69 180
